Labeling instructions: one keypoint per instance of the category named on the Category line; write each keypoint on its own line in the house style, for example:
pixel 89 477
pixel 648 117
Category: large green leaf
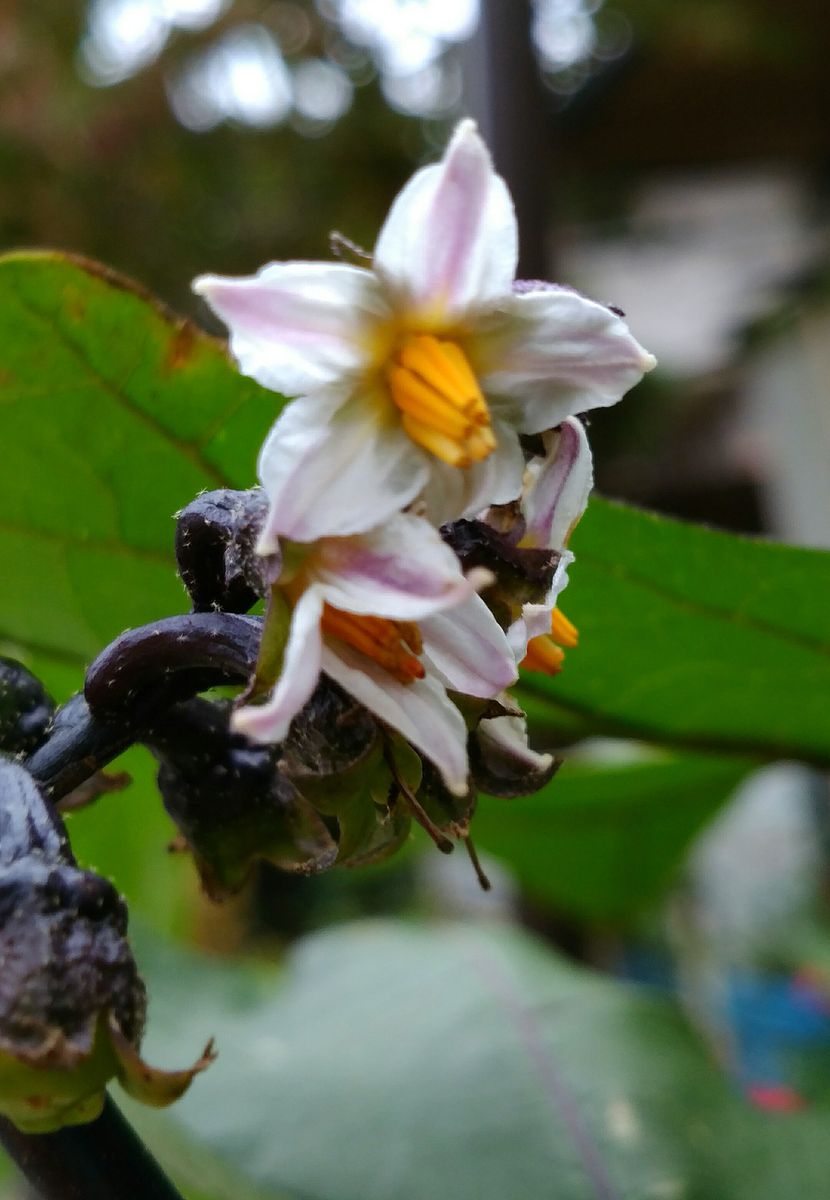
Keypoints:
pixel 603 841
pixel 693 637
pixel 407 1063
pixel 117 413
pixel 114 414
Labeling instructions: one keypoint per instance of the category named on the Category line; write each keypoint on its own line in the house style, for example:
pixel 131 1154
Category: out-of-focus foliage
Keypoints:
pixel 602 842
pixel 414 1062
pixel 109 171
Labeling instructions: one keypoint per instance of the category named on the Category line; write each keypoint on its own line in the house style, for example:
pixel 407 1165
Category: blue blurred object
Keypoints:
pixel 770 1017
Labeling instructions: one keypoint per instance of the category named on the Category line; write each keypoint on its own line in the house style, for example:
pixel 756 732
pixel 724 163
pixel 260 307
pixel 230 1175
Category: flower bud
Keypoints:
pixel 215 539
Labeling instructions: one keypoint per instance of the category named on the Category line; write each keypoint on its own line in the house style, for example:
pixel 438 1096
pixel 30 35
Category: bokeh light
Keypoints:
pixel 243 77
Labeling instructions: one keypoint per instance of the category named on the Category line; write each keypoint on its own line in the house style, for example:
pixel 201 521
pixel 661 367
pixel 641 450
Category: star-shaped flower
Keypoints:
pixel 389 616
pixel 417 377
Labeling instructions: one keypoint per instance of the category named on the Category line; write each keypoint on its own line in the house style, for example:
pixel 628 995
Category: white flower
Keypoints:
pixel 390 617
pixel 555 495
pixel 418 376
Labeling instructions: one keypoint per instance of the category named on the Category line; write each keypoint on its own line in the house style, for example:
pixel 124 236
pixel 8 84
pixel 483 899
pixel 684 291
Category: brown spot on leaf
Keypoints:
pixel 182 346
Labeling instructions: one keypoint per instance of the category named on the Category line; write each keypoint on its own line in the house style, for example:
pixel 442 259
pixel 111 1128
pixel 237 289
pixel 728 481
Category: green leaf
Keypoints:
pixel 118 413
pixel 692 638
pixel 603 842
pixel 114 413
pixel 407 1063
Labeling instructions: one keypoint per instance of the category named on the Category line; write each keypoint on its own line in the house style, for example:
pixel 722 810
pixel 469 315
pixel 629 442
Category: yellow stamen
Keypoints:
pixel 393 645
pixel 432 384
pixel 543 655
pixel 563 631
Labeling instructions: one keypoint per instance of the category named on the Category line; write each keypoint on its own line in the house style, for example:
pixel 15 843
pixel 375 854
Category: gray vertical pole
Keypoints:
pixel 504 92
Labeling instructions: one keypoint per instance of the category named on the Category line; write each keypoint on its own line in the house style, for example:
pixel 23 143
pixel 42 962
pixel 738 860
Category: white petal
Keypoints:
pixel 455 492
pixel 559 486
pixel 450 241
pixel 269 722
pixel 420 710
pixel 296 326
pixel 560 580
pixel 518 637
pixel 401 569
pixel 534 621
pixel 332 468
pixel 508 735
pixel 555 354
pixel 469 650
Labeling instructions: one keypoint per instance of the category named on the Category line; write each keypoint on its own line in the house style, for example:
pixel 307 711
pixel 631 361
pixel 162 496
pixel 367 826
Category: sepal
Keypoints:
pixel 231 801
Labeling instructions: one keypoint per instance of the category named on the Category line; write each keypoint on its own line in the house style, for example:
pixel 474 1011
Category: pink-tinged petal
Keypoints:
pixel 269 722
pixel 332 469
pixel 507 736
pixel 553 354
pixel 401 569
pixel 469 650
pixel 296 326
pixel 450 242
pixel 455 492
pixel 559 485
pixel 421 711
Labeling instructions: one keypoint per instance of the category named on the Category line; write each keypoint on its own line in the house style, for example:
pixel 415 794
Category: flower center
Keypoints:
pixel 393 645
pixel 545 653
pixel 432 384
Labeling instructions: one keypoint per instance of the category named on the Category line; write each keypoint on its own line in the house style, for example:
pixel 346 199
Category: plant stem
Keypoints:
pixel 132 683
pixel 104 1160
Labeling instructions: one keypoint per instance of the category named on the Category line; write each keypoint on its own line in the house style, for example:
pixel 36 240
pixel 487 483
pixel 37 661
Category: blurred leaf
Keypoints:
pixel 692 637
pixel 602 842
pixel 413 1063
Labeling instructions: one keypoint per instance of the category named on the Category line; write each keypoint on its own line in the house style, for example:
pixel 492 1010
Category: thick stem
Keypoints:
pixel 104 1160
pixel 132 682
pixel 128 688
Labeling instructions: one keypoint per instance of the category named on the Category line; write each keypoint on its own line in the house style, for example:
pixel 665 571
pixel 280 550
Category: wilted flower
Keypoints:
pixel 417 376
pixel 389 616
